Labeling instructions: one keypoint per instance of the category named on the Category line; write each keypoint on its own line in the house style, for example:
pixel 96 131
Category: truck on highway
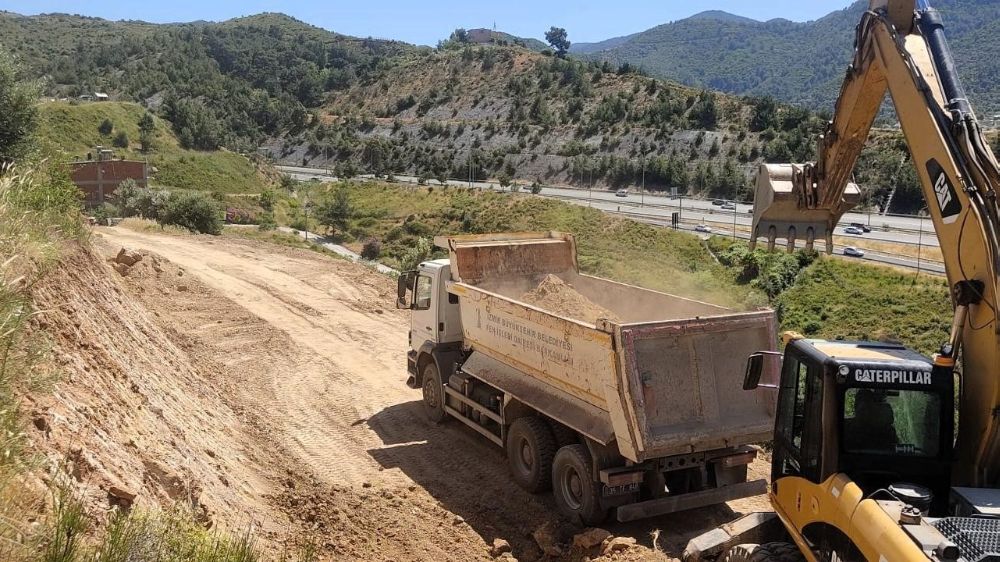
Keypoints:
pixel 621 400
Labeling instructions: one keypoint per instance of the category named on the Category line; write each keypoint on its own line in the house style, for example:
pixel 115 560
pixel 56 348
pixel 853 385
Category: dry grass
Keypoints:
pixel 149 225
pixel 27 247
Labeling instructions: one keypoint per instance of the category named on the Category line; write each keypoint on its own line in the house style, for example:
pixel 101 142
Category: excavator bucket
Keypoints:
pixel 786 207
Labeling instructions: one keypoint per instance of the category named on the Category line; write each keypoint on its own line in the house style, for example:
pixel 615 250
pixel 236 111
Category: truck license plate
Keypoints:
pixel 621 490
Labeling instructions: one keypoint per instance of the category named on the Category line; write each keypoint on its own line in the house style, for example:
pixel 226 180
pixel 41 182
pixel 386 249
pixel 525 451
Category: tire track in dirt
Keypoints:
pixel 352 368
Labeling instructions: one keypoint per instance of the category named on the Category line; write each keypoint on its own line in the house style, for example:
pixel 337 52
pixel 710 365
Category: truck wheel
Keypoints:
pixel 577 495
pixel 433 393
pixel 769 552
pixel 530 448
pixel 564 435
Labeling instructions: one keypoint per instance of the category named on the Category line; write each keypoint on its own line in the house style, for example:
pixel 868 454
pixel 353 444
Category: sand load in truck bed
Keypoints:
pixel 556 295
pixel 663 376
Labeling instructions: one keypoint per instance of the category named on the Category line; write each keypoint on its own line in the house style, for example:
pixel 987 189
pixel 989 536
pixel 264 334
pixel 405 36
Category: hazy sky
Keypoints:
pixel 427 21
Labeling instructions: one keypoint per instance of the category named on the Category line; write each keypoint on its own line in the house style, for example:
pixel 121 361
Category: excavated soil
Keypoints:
pixel 264 386
pixel 555 295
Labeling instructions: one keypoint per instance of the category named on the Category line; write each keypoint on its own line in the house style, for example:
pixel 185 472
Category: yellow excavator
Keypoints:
pixel 868 463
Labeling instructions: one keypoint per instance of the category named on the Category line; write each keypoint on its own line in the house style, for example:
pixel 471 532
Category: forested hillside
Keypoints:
pixel 504 112
pixel 232 83
pixel 800 63
pixel 500 111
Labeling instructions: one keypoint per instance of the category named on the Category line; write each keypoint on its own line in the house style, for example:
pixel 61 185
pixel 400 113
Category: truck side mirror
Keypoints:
pixel 403 285
pixel 755 368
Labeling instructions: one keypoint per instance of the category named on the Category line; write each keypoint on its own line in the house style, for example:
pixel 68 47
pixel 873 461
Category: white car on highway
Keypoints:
pixel 853 230
pixel 703 228
pixel 854 252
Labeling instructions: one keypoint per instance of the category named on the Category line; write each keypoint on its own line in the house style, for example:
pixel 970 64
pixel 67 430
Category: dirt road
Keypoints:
pixel 319 366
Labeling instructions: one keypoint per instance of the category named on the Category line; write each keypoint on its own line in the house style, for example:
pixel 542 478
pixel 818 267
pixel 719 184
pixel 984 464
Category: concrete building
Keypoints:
pixel 100 174
pixel 481 36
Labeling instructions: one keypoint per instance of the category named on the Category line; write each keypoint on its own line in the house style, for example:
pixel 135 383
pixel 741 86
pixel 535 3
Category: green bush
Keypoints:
pixel 105 212
pixel 266 221
pixel 17 105
pixel 121 140
pixel 299 223
pixel 193 211
pixel 336 211
pixel 418 228
pixel 419 252
pixel 372 249
pixel 771 272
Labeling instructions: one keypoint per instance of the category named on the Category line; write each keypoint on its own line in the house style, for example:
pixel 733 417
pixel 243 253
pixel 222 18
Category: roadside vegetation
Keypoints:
pixel 829 297
pixel 400 223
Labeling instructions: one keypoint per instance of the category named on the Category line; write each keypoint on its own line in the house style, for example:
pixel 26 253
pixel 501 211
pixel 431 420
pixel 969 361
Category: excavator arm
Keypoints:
pixel 901 48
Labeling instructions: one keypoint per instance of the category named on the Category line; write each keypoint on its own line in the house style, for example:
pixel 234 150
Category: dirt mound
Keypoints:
pixel 555 295
pixel 133 418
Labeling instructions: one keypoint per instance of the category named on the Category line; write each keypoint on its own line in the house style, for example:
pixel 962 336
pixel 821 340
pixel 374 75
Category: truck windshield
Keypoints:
pixel 891 422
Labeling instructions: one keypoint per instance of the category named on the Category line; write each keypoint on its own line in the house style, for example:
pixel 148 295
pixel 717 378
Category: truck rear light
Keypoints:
pixel 740 459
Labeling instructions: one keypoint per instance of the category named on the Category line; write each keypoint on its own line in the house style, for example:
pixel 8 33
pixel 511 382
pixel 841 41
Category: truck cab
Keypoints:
pixel 435 320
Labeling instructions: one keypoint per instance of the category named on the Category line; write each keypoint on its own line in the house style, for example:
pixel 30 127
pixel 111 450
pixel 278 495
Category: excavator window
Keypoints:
pixel 891 422
pixel 797 443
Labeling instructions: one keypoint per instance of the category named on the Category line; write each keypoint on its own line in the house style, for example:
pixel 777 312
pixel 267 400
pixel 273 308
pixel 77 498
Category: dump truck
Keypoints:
pixel 621 400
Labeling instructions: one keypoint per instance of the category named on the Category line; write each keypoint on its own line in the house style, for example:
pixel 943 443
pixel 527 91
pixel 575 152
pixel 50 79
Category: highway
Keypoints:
pixel 658 209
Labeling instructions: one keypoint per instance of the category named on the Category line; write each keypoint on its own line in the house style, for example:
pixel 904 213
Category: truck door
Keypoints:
pixel 424 319
pixel 798 432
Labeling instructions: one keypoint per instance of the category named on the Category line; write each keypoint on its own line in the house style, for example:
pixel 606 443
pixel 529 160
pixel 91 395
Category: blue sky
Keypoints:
pixel 426 21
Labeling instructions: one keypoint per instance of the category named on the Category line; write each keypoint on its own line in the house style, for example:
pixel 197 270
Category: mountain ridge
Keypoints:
pixel 797 62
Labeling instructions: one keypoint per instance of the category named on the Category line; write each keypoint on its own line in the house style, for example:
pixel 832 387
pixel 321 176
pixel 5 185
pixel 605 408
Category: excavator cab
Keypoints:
pixel 878 413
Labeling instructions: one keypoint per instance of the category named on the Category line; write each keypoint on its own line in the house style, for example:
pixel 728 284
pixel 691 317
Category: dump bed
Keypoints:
pixel 657 373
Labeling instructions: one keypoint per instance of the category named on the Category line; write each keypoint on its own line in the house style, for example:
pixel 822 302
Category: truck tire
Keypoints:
pixel 768 552
pixel 530 448
pixel 433 393
pixel 577 495
pixel 564 435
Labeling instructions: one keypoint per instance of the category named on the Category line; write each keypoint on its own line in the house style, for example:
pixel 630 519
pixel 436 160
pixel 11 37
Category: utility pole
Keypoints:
pixel 735 211
pixel 920 242
pixel 590 187
pixel 307 215
pixel 642 189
